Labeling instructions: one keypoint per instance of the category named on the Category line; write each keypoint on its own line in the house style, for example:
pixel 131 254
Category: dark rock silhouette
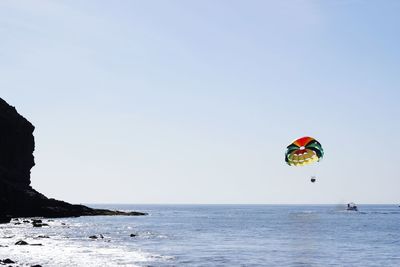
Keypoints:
pixel 21 243
pixel 7 261
pixel 42 236
pixel 4 219
pixel 17 197
pixel 39 224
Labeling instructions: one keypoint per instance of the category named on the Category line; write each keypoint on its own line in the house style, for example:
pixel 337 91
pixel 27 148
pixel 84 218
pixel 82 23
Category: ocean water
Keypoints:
pixel 213 235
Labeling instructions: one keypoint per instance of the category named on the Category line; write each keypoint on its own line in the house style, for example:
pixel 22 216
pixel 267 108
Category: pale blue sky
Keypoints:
pixel 195 101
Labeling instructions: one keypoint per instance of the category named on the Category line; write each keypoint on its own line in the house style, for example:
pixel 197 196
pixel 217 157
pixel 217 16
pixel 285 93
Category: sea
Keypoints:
pixel 211 235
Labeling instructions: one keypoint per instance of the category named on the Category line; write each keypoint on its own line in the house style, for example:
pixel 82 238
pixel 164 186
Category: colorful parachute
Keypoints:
pixel 304 151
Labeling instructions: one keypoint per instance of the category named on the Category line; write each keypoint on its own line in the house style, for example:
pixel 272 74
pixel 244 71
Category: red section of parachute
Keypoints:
pixel 303 141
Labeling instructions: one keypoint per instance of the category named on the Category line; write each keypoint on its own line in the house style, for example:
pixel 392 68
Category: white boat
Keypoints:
pixel 352 206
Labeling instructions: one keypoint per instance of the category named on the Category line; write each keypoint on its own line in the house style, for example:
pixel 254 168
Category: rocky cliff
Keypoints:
pixel 17 197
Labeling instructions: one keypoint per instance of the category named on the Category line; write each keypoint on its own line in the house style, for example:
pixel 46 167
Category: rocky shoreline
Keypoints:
pixel 17 197
pixel 23 236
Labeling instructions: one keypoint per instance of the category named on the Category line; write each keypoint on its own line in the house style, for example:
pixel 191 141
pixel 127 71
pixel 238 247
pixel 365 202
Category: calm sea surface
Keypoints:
pixel 213 235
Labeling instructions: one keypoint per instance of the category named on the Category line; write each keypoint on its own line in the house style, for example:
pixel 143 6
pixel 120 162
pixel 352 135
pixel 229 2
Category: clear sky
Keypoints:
pixel 195 101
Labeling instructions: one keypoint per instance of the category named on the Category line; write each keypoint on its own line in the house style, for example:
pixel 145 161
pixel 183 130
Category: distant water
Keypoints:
pixel 214 235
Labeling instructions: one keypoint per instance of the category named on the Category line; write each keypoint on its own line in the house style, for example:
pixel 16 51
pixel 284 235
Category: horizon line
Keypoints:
pixel 243 204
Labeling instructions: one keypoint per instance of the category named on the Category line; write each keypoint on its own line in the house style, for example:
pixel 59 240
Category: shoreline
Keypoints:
pixel 23 239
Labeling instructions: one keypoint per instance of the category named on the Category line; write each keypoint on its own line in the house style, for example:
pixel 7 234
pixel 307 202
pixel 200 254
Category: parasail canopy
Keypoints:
pixel 304 151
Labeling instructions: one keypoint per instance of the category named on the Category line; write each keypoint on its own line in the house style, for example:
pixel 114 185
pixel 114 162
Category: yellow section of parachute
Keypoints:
pixel 306 158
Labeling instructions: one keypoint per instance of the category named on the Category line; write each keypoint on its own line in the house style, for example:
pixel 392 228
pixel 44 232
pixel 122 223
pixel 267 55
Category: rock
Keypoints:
pixel 93 237
pixel 7 261
pixel 35 244
pixel 39 224
pixel 37 265
pixel 101 236
pixel 21 243
pixel 36 221
pixel 4 219
pixel 17 223
pixel 42 236
pixel 17 197
pixel 26 221
pixel 133 235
